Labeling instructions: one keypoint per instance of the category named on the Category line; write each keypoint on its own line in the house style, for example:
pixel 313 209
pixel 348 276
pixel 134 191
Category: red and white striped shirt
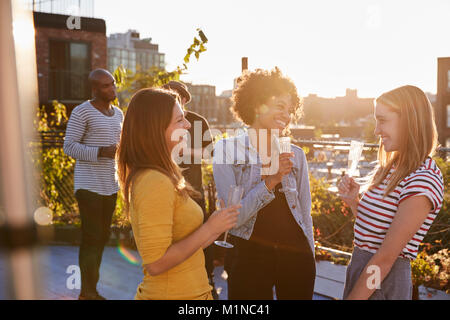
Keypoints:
pixel 375 213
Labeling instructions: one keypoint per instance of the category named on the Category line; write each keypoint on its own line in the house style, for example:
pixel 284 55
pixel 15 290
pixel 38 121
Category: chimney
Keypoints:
pixel 244 64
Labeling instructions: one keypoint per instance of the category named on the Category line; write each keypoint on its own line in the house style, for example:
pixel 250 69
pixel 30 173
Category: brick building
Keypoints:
pixel 443 101
pixel 348 108
pixel 66 56
pixel 203 101
pixel 224 115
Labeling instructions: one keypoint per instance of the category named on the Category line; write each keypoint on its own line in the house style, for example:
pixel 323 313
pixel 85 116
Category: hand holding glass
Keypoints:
pixel 356 148
pixel 354 155
pixel 285 144
pixel 285 147
pixel 234 198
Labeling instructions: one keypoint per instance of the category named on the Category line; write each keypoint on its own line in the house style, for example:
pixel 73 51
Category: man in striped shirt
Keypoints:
pixel 92 134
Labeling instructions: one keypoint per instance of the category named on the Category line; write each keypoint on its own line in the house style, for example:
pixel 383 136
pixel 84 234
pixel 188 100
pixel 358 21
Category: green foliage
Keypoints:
pixel 128 82
pixel 332 219
pixel 439 234
pixel 432 270
pixel 318 133
pixel 120 217
pixel 421 270
pixel 55 169
pixel 196 48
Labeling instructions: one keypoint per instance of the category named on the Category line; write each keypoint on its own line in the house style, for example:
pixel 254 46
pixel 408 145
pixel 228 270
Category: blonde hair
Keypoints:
pixel 419 137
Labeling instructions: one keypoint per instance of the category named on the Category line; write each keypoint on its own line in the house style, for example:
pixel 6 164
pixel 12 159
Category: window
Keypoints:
pixel 159 60
pixel 140 60
pixel 150 60
pixel 448 116
pixel 112 53
pixel 69 70
pixel 448 79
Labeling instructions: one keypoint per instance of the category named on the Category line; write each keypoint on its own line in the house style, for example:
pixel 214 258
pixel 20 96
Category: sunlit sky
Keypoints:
pixel 325 46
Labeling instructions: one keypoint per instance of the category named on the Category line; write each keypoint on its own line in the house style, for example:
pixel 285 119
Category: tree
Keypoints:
pixel 128 82
pixel 55 169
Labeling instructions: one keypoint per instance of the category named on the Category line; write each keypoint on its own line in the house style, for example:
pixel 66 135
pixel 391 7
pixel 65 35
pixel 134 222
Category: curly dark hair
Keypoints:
pixel 256 88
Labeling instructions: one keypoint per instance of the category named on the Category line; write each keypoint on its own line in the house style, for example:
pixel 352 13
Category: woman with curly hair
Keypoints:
pixel 273 240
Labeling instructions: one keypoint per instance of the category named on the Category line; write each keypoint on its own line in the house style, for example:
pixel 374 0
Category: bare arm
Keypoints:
pixel 410 215
pixel 349 193
pixel 219 222
pixel 180 251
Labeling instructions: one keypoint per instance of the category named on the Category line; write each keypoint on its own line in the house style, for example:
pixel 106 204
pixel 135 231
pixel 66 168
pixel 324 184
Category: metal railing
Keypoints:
pixel 55 139
pixel 83 8
pixel 346 143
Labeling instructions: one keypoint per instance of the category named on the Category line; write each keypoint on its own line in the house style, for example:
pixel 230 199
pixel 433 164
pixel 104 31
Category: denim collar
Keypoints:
pixel 245 147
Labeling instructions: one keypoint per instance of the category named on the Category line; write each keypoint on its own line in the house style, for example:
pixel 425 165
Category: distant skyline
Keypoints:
pixel 325 46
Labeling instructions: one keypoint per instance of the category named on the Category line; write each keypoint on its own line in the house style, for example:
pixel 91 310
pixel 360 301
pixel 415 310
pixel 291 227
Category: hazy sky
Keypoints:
pixel 325 46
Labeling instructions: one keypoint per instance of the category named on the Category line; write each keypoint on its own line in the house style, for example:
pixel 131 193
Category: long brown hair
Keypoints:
pixel 419 135
pixel 143 142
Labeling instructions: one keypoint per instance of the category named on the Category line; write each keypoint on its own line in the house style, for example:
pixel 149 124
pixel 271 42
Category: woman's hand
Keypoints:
pixel 223 220
pixel 285 165
pixel 349 192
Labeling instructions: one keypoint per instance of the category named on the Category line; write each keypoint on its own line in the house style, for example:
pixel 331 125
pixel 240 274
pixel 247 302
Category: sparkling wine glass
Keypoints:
pixel 285 147
pixel 234 198
pixel 356 148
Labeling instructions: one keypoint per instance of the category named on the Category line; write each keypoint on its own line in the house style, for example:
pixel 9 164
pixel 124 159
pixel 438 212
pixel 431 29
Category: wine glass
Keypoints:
pixel 356 148
pixel 234 198
pixel 285 147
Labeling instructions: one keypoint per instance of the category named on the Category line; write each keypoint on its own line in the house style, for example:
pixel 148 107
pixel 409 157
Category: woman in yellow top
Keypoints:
pixel 166 222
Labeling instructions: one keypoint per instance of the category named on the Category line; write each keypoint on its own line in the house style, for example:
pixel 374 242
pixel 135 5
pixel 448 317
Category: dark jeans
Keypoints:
pixel 96 213
pixel 255 269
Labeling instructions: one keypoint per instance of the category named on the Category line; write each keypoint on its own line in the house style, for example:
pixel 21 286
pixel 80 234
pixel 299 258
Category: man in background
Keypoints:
pixel 92 135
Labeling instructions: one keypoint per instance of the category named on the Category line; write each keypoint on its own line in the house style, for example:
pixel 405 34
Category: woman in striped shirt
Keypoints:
pixel 402 199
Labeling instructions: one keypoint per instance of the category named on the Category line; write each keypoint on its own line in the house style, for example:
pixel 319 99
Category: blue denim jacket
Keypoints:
pixel 236 162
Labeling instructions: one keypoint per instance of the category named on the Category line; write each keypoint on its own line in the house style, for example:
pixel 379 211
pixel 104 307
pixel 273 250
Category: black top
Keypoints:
pixel 193 172
pixel 276 226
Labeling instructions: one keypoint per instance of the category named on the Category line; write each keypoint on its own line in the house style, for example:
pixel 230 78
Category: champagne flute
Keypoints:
pixel 356 148
pixel 234 198
pixel 285 147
